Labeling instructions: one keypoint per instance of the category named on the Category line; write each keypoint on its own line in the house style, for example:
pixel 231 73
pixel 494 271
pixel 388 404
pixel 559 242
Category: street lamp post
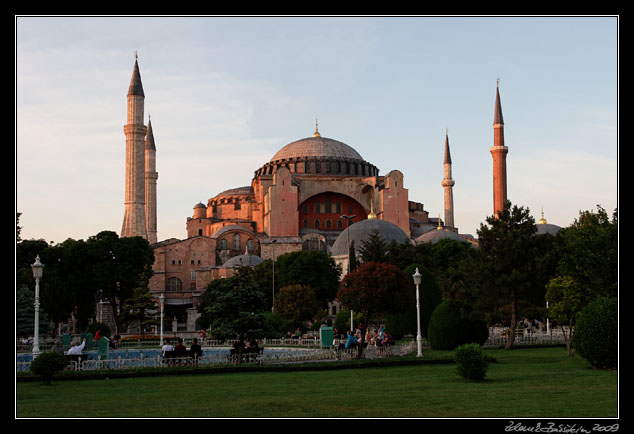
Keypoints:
pixel 419 338
pixel 162 300
pixel 273 277
pixel 38 268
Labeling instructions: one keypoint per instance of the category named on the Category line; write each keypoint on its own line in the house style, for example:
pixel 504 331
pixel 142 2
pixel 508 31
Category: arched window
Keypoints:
pixel 305 223
pixel 251 245
pixel 328 224
pixel 339 224
pixel 223 244
pixel 174 284
pixel 236 242
pixel 316 224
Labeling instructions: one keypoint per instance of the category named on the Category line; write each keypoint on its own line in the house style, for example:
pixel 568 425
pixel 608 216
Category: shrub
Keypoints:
pixel 595 337
pixel 453 323
pixel 47 364
pixel 471 362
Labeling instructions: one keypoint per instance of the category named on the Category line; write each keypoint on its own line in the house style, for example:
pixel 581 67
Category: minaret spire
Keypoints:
pixel 151 175
pixel 498 152
pixel 134 221
pixel 448 184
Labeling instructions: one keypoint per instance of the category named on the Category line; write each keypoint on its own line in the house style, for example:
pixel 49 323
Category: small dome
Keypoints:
pixel 436 235
pixel 360 232
pixel 547 228
pixel 200 205
pixel 243 261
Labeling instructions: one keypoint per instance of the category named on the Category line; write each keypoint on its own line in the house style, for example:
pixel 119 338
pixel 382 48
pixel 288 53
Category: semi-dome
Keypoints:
pixel 360 232
pixel 239 191
pixel 243 261
pixel 317 146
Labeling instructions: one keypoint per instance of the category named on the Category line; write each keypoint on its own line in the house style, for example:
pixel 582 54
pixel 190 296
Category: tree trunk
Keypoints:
pixel 568 339
pixel 511 339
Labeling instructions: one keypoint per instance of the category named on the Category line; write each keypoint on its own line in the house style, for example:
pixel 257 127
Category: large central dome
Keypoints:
pixel 317 146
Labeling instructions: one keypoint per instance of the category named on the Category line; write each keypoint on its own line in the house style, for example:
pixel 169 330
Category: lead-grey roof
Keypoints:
pixel 317 147
pixel 360 232
pixel 436 235
pixel 243 261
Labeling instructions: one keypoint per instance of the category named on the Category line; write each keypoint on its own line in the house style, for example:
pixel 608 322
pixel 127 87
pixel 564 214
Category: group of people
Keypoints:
pixel 379 338
pixel 195 350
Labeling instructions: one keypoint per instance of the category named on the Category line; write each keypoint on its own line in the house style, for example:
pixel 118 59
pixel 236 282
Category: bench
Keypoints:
pixel 173 358
pixel 247 355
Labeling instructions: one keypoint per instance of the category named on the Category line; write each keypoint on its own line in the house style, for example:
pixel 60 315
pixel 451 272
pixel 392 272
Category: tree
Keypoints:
pixel 588 252
pixel 374 290
pixel 141 306
pixel 297 303
pixel 507 257
pixel 374 249
pixel 352 257
pixel 312 268
pixel 233 307
pixel 566 299
pixel 117 264
pixel 25 313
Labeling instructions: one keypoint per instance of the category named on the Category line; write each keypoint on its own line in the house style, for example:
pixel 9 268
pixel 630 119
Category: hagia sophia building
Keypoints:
pixel 314 193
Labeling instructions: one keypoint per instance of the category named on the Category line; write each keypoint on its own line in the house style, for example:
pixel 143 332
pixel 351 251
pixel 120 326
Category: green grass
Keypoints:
pixel 541 383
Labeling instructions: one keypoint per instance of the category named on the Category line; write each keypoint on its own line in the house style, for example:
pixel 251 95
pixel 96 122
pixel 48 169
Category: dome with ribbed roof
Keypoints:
pixel 243 261
pixel 319 147
pixel 435 235
pixel 360 232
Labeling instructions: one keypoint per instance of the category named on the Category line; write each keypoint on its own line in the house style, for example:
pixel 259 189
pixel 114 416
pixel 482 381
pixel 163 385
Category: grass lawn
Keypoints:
pixel 523 383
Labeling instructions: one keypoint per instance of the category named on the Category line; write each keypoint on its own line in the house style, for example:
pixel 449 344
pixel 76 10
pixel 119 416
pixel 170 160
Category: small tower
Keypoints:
pixel 498 152
pixel 448 184
pixel 151 176
pixel 134 221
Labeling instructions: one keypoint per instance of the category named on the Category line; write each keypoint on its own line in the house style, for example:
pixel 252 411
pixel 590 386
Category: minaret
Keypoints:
pixel 498 152
pixel 151 175
pixel 448 184
pixel 134 215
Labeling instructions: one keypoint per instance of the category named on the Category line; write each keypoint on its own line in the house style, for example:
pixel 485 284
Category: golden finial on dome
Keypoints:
pixel 542 221
pixel 439 225
pixel 371 215
pixel 316 133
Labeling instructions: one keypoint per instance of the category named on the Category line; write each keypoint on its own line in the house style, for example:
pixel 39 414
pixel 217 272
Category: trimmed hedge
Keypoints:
pixel 471 362
pixel 454 323
pixel 596 333
pixel 47 365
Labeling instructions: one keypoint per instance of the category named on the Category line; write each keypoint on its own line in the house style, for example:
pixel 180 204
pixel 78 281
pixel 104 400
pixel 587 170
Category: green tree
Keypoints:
pixel 506 259
pixel 25 314
pixel 588 252
pixel 312 268
pixel 374 249
pixel 566 299
pixel 141 306
pixel 297 303
pixel 374 290
pixel 117 264
pixel 234 307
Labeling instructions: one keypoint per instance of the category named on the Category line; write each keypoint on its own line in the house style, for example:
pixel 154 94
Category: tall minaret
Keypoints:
pixel 498 151
pixel 134 216
pixel 448 184
pixel 151 175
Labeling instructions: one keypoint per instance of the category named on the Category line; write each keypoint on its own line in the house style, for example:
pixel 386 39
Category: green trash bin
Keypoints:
pixel 66 341
pixel 326 336
pixel 103 347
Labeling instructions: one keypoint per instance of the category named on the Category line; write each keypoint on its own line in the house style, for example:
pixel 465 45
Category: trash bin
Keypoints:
pixel 103 347
pixel 326 336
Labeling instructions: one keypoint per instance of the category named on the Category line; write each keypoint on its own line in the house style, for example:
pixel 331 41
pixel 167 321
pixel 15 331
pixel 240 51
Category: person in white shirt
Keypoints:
pixel 167 347
pixel 76 349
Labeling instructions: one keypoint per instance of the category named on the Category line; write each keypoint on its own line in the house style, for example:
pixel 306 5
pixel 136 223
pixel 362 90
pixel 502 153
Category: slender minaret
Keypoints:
pixel 498 152
pixel 134 223
pixel 151 175
pixel 448 184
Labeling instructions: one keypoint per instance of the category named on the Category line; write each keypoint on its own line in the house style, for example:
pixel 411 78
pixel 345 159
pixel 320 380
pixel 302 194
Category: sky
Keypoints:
pixel 226 93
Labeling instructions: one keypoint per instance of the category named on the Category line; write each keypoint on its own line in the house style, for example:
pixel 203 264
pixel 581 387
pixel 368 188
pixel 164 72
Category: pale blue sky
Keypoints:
pixel 226 93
